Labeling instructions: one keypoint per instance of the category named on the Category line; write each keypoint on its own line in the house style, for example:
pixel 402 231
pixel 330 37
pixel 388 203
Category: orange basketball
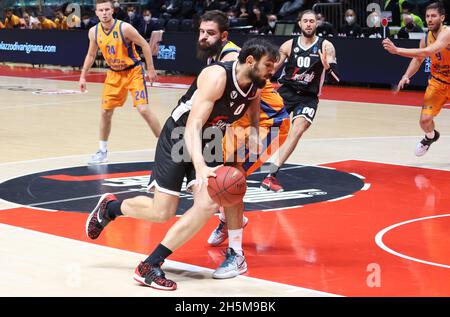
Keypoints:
pixel 228 187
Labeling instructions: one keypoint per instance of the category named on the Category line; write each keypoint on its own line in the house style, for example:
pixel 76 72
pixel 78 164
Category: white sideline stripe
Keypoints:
pixel 75 156
pixel 283 208
pixel 170 263
pixel 366 186
pixel 380 243
pixel 340 198
pixel 357 175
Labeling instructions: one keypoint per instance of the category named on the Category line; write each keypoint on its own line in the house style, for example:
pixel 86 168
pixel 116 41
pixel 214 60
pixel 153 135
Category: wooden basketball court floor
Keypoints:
pixel 388 238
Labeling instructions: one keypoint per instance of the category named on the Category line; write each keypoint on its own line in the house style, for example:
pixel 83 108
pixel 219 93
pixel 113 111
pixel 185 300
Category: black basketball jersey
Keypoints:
pixel 229 108
pixel 304 70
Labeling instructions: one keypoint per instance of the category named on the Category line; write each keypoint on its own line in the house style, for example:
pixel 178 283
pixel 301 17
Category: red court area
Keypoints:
pixel 329 246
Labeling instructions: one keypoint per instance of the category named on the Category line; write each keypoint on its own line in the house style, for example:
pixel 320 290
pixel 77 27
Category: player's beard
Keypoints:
pixel 435 28
pixel 309 35
pixel 203 53
pixel 255 78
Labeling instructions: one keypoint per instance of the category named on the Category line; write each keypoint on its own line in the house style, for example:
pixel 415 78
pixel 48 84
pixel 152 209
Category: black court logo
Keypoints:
pixel 78 189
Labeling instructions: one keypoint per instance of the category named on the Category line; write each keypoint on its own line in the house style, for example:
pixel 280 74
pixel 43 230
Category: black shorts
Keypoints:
pixel 172 164
pixel 301 105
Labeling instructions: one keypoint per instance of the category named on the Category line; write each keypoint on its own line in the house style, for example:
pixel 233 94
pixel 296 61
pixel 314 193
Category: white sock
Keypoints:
pixel 430 135
pixel 222 215
pixel 235 240
pixel 103 145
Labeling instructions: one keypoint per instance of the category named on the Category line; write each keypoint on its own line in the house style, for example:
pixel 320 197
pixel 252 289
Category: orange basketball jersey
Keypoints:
pixel 117 53
pixel 440 62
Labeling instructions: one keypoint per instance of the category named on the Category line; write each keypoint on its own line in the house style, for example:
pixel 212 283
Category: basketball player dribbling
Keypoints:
pixel 221 94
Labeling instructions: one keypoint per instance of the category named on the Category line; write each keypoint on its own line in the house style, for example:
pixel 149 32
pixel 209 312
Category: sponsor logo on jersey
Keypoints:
pixel 233 94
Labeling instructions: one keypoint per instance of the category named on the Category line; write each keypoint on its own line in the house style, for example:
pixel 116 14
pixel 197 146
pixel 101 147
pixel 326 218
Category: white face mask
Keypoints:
pixel 131 14
pixel 86 21
pixel 272 24
pixel 147 18
pixel 350 19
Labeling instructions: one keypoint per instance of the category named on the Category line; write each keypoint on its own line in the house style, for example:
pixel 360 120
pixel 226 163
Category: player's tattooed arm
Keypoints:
pixel 328 57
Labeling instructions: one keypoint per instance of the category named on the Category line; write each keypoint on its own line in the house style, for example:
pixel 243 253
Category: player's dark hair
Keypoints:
pixel 218 17
pixel 103 1
pixel 302 13
pixel 436 6
pixel 258 47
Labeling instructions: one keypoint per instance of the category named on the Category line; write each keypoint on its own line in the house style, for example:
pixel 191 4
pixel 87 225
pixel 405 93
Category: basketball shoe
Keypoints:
pixel 98 219
pixel 220 234
pixel 425 144
pixel 98 158
pixel 233 265
pixel 153 276
pixel 271 183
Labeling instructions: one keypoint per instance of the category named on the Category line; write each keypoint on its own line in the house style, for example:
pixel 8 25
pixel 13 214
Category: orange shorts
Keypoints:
pixel 118 84
pixel 436 95
pixel 235 142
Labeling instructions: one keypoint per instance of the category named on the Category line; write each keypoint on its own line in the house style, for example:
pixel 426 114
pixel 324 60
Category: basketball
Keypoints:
pixel 228 187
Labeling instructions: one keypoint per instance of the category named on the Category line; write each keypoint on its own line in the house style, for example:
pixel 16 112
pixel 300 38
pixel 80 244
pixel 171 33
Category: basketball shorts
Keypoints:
pixel 173 163
pixel 436 95
pixel 299 105
pixel 272 133
pixel 118 84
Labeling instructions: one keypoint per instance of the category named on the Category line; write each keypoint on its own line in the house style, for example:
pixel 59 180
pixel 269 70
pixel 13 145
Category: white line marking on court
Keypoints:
pixel 49 103
pixel 75 156
pixel 366 186
pixel 170 263
pixel 340 198
pixel 380 243
pixel 78 198
pixel 398 164
pixel 283 208
pixel 357 175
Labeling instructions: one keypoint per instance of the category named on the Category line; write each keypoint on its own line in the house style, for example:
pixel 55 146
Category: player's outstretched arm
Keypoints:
pixel 413 67
pixel 89 59
pixel 132 35
pixel 442 41
pixel 210 87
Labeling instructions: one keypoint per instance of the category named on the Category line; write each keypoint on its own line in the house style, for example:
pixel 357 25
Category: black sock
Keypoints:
pixel 273 170
pixel 113 209
pixel 158 255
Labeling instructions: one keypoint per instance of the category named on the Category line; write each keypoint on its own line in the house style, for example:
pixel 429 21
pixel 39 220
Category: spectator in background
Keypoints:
pixel 243 9
pixel 171 8
pixel 12 21
pixel 407 10
pixel 118 14
pixel 135 19
pixel 324 28
pixel 148 25
pixel 351 28
pixel 88 21
pixel 30 21
pixel 410 27
pixel 60 20
pixel 45 23
pixel 290 9
pixel 73 21
pixel 257 18
pixel 376 30
pixel 271 24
